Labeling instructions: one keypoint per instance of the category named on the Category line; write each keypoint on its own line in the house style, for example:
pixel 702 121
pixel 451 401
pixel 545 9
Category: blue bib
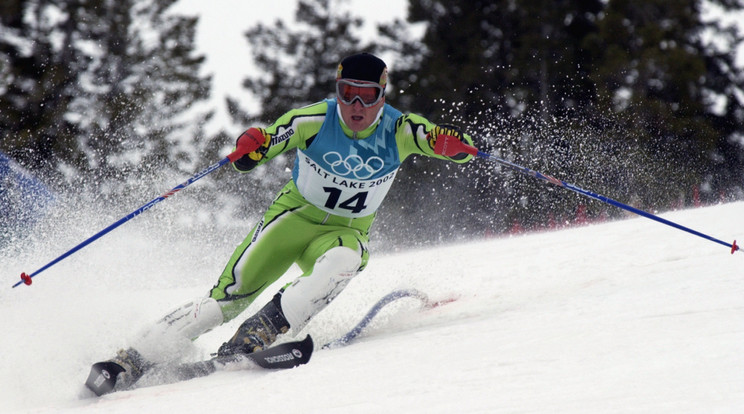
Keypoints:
pixel 344 176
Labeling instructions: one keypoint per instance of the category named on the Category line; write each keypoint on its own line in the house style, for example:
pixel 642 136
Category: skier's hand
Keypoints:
pixel 447 140
pixel 250 148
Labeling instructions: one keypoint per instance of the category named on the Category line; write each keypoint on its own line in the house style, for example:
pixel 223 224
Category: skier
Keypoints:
pixel 348 152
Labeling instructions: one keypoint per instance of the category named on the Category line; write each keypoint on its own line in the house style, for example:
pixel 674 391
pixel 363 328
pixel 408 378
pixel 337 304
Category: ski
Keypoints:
pixel 103 375
pixel 377 307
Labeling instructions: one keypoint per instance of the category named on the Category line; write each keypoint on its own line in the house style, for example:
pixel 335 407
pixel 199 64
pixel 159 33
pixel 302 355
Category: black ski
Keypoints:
pixel 103 375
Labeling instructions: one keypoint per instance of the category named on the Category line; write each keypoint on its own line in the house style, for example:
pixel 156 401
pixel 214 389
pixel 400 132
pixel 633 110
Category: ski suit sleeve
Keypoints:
pixel 294 129
pixel 412 133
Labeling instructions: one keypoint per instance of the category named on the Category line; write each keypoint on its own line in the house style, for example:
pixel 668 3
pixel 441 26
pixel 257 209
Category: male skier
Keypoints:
pixel 349 150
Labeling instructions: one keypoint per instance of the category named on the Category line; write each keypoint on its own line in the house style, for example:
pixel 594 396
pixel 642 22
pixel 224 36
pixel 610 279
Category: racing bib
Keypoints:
pixel 345 186
pixel 344 176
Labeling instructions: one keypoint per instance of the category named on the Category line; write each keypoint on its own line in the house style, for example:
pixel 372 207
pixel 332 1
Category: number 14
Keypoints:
pixel 355 203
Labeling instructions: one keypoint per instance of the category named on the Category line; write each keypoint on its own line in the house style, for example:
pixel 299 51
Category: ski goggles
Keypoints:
pixel 368 93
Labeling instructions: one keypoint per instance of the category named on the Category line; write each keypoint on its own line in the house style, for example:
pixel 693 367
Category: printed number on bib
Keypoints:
pixel 355 203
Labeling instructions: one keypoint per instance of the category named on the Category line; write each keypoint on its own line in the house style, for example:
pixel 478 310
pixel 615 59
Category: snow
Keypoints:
pixel 628 316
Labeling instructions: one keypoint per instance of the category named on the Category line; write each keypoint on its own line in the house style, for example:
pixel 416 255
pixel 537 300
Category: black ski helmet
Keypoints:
pixel 363 66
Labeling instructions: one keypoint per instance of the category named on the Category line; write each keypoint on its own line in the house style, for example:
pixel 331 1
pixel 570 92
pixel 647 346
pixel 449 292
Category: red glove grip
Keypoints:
pixel 450 146
pixel 249 141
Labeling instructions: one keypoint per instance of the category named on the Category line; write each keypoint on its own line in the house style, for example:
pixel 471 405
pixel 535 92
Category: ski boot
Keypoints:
pixel 259 331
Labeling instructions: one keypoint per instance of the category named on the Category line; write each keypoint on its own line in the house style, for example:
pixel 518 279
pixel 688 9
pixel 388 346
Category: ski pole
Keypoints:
pixel 26 278
pixel 450 147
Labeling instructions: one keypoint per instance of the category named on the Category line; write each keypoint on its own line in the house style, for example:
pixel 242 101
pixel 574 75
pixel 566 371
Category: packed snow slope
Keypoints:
pixel 628 316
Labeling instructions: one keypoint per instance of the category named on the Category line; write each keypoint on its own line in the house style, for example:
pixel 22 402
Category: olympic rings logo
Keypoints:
pixel 353 164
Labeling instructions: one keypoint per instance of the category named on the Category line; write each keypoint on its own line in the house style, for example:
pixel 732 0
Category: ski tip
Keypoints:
pixel 437 303
pixel 309 346
pixel 303 351
pixel 285 355
pixel 307 343
pixel 734 247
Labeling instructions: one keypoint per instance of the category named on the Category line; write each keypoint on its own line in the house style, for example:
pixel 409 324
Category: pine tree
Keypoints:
pixel 655 66
pixel 140 83
pixel 504 71
pixel 100 88
pixel 612 94
pixel 38 76
pixel 297 63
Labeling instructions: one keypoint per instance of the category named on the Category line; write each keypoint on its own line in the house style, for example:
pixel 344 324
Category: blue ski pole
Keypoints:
pixel 26 278
pixel 450 147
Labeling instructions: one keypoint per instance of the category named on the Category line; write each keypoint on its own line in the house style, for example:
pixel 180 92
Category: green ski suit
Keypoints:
pixel 295 230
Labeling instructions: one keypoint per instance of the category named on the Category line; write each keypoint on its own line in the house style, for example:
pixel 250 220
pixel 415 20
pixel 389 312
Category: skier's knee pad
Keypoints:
pixel 308 295
pixel 174 332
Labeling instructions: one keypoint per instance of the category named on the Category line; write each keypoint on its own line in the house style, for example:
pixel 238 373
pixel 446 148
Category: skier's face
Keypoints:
pixel 359 102
pixel 357 117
